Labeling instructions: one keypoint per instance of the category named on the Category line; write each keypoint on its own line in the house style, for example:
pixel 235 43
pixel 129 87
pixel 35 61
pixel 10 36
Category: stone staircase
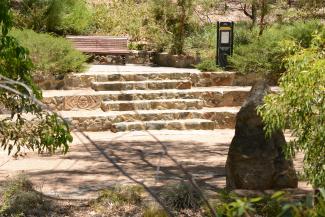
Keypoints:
pixel 130 98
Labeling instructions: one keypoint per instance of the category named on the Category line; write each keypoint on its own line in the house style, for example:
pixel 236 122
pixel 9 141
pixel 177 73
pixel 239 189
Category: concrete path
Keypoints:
pixel 88 167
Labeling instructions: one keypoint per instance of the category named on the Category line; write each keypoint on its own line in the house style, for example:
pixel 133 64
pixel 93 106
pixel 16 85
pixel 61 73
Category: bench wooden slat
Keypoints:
pixel 100 44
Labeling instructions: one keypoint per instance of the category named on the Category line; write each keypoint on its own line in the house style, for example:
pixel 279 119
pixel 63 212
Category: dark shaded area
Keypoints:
pixel 144 161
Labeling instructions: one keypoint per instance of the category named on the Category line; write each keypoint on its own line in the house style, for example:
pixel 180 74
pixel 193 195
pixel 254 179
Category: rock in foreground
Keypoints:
pixel 254 161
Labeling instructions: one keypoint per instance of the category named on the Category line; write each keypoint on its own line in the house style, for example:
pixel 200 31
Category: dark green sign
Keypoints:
pixel 225 38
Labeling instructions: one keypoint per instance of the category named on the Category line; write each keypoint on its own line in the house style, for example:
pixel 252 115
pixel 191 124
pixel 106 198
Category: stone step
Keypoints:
pixel 212 96
pixel 97 120
pixel 141 85
pixel 187 124
pixel 160 104
pixel 90 99
pixel 143 73
pixel 132 76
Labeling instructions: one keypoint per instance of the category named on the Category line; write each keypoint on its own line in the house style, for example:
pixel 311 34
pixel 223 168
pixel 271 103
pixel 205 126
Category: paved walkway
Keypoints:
pixel 88 167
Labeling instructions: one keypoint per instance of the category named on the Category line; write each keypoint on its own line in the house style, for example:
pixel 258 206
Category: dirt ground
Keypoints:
pixel 99 160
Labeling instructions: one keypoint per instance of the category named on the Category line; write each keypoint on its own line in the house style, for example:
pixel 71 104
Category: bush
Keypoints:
pixel 130 18
pixel 20 199
pixel 208 66
pixel 278 204
pixel 203 41
pixel 58 16
pixel 300 107
pixel 121 18
pixel 264 54
pixel 31 14
pixel 121 194
pixel 50 55
pixel 153 211
pixel 181 196
pixel 68 17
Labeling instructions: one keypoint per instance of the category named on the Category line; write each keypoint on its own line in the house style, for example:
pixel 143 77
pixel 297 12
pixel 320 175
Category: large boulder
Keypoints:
pixel 254 161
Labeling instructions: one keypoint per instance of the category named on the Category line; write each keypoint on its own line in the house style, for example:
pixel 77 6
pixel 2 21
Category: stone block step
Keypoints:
pixel 212 97
pixel 141 85
pixel 187 124
pixel 159 104
pixel 89 99
pixel 97 120
pixel 107 73
pixel 135 76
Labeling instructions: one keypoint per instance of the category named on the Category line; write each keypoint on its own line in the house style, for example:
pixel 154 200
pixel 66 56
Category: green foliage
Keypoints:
pixel 244 34
pixel 31 14
pixel 121 194
pixel 300 106
pixel 174 18
pixel 264 54
pixel 208 66
pixel 43 131
pixel 68 16
pixel 275 205
pixel 181 196
pixel 153 211
pixel 49 54
pixel 121 18
pixel 310 4
pixel 20 199
pixel 58 16
pixel 202 41
pixel 165 24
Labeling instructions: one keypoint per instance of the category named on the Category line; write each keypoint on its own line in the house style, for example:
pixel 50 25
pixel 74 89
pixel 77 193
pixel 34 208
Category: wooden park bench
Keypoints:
pixel 102 45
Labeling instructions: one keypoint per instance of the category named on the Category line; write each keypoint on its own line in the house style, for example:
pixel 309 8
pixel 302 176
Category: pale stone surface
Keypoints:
pixel 126 88
pixel 212 96
pixel 183 124
pixel 161 104
pixel 82 102
pixel 141 85
pixel 222 117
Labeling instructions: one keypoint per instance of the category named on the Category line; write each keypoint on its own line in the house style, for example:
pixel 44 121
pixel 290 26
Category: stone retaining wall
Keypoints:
pixel 222 120
pixel 90 102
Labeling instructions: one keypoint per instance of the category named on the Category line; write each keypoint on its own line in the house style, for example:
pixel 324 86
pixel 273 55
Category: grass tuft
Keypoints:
pixel 20 199
pixel 181 196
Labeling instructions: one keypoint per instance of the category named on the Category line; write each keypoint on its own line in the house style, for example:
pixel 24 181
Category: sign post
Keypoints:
pixel 225 37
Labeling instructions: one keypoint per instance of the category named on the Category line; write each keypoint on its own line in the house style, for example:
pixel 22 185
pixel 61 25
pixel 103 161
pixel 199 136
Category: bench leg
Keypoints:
pixel 123 59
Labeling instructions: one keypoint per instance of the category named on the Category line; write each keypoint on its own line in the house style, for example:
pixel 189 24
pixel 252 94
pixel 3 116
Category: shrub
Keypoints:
pixel 203 41
pixel 68 16
pixel 58 16
pixel 121 194
pixel 42 130
pixel 121 18
pixel 153 211
pixel 50 55
pixel 300 107
pixel 132 19
pixel 277 204
pixel 181 196
pixel 20 199
pixel 264 54
pixel 31 14
pixel 208 66
pixel 244 33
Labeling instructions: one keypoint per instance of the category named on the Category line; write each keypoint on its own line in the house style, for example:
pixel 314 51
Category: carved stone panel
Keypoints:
pixel 82 102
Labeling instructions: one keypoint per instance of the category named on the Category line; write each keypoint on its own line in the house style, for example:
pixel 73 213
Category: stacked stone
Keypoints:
pixel 123 98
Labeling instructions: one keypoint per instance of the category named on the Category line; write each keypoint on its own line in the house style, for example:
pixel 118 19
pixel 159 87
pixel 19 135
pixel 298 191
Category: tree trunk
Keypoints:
pixel 264 11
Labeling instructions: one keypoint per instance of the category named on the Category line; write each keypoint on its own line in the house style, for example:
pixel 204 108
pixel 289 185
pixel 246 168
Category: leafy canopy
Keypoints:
pixel 300 106
pixel 23 121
